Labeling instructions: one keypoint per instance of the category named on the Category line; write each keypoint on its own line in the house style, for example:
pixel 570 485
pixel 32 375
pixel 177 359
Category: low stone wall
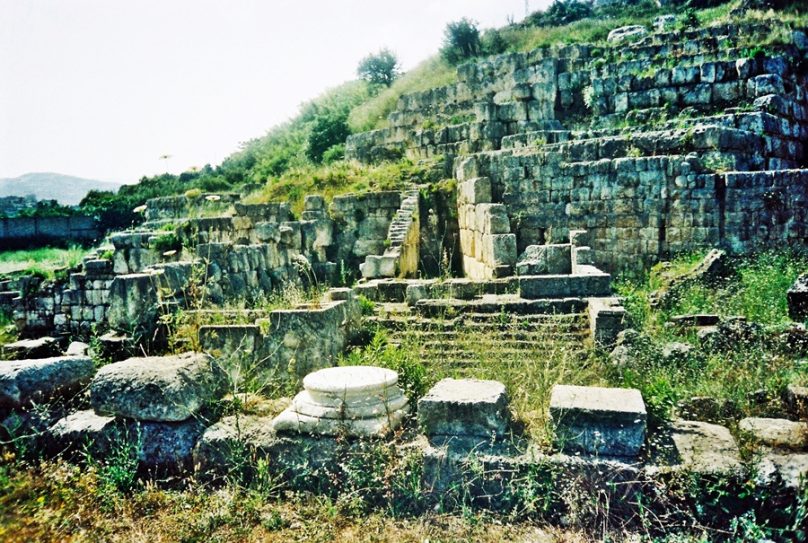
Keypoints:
pixel 289 343
pixel 41 231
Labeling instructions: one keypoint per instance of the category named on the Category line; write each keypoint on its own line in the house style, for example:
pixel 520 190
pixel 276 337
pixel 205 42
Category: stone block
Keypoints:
pixel 534 287
pixel 44 347
pixel 706 449
pixel 545 259
pixel 798 299
pixel 475 191
pixel 499 249
pixel 598 421
pixel 170 388
pixel 777 433
pixel 796 400
pixel 133 302
pixel 464 408
pixel 84 429
pixel 25 381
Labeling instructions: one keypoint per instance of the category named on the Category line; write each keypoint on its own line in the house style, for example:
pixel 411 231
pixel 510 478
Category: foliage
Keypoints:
pixel 47 208
pixel 342 177
pixel 372 113
pixel 329 128
pixel 461 41
pixel 379 69
pixel 562 12
pixel 43 261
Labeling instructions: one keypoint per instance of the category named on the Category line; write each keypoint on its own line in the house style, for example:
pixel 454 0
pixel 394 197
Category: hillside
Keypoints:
pixel 66 189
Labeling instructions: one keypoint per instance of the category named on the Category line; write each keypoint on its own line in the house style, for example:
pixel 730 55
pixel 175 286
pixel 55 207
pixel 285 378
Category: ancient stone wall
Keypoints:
pixel 638 210
pixel 289 343
pixel 40 231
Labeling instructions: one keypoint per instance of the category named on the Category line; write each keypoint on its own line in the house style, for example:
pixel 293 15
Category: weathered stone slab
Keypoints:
pixel 798 299
pixel 545 260
pixel 789 469
pixel 77 348
pixel 26 381
pixel 165 446
pixel 627 33
pixel 595 420
pixel 26 349
pixel 796 399
pixel 170 388
pixel 534 287
pixel 84 429
pixel 464 407
pixel 705 448
pixel 133 302
pixel 778 433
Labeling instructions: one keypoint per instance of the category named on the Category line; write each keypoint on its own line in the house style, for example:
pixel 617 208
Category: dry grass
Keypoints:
pixel 56 501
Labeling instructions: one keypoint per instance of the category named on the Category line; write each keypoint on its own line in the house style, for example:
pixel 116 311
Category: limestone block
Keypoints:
pixel 267 232
pixel 599 421
pixel 133 301
pixel 798 299
pixel 166 446
pixel 705 448
pixel 499 249
pixel 84 428
pixel 77 348
pixel 563 286
pixel 475 191
pixel 789 469
pixel 44 347
pixel 545 259
pixel 796 399
pixel 627 33
pixel 778 433
pixel 26 381
pixel 170 388
pixel 464 407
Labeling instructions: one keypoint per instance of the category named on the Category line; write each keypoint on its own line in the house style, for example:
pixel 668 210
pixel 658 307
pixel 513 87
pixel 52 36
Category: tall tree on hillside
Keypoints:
pixel 461 41
pixel 380 68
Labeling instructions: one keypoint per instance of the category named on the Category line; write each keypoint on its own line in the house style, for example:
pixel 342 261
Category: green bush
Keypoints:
pixel 379 69
pixel 461 41
pixel 330 128
pixel 562 12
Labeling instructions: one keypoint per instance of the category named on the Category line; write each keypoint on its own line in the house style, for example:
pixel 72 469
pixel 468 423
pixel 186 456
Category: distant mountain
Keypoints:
pixel 68 190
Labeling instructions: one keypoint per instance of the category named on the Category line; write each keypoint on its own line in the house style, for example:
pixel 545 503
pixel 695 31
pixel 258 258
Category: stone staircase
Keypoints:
pixel 461 336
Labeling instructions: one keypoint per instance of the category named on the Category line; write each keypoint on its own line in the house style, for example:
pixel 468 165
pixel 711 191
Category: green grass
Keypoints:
pixel 433 72
pixel 42 261
pixel 340 178
pixel 756 289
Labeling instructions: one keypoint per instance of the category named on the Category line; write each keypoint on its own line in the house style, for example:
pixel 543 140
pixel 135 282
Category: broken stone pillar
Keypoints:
pixel 353 401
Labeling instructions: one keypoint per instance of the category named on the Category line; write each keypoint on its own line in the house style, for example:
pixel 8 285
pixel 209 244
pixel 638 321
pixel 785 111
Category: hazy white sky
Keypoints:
pixel 103 88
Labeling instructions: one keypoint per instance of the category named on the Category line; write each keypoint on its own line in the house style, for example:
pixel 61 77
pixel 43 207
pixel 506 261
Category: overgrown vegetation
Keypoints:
pixel 42 262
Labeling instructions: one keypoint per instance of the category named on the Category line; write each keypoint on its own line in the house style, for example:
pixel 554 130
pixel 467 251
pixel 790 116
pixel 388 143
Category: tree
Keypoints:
pixel 461 41
pixel 379 69
pixel 329 128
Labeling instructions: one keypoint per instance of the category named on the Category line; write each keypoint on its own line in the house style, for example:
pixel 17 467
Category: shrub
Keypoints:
pixel 334 153
pixel 329 128
pixel 493 42
pixel 461 41
pixel 379 69
pixel 562 12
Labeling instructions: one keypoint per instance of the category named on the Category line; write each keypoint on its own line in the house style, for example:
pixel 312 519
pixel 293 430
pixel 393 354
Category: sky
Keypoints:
pixel 104 88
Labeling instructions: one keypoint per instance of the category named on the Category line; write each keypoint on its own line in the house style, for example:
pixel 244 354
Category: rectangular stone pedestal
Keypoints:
pixel 598 421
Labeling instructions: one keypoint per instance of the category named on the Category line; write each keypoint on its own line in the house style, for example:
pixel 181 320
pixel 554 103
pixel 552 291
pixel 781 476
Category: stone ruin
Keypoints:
pixel 572 163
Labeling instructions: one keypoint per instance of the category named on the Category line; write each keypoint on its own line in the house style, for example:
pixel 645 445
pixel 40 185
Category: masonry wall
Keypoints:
pixel 41 231
pixel 640 210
